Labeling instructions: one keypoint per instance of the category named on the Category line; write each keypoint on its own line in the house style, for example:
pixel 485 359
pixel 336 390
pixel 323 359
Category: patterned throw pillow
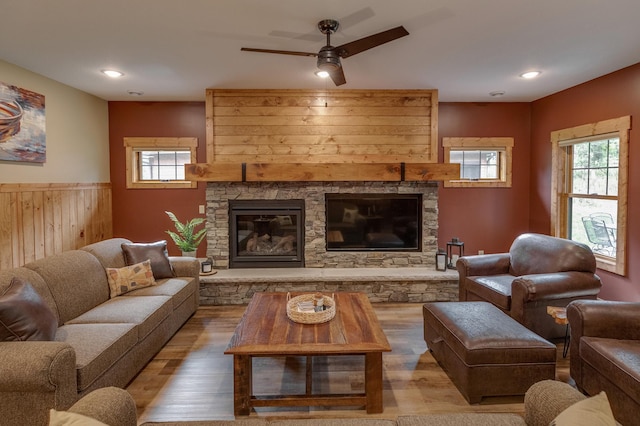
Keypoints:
pixel 129 278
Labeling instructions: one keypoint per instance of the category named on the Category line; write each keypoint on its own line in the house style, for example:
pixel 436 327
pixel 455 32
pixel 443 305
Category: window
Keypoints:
pixel 589 182
pixel 484 162
pixel 159 162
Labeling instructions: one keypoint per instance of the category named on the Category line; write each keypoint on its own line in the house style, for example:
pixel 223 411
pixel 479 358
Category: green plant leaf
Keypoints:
pixel 186 237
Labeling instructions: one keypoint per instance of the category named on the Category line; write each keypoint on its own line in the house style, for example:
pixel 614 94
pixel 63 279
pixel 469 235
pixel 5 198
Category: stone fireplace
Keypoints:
pixel 222 249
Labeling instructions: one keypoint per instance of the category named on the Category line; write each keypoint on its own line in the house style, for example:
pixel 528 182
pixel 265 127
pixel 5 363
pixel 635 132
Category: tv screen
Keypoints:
pixel 366 222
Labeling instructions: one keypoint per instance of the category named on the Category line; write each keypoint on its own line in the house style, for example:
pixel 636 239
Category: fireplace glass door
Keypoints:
pixel 266 233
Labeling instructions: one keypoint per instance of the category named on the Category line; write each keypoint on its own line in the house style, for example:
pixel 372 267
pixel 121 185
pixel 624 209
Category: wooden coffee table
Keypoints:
pixel 266 331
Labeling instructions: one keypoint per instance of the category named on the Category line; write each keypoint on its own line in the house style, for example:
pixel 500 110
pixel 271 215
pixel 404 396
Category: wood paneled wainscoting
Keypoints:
pixel 38 220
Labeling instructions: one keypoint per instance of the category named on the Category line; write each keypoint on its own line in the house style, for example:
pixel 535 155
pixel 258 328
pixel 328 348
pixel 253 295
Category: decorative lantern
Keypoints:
pixel 441 260
pixel 453 258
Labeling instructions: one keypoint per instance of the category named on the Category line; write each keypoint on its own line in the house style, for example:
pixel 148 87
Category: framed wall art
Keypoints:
pixel 22 125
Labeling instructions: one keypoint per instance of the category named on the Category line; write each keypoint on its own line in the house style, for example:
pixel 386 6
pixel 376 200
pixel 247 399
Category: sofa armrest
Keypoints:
pixel 35 377
pixel 112 406
pixel 546 399
pixel 185 266
pixel 602 318
pixel 558 285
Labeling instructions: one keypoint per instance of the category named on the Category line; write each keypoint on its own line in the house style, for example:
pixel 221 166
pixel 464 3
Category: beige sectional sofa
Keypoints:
pixel 542 403
pixel 100 340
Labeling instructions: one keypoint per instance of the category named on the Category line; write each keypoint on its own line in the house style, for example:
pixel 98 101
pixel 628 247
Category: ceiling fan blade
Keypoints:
pixel 366 43
pixel 281 52
pixel 337 76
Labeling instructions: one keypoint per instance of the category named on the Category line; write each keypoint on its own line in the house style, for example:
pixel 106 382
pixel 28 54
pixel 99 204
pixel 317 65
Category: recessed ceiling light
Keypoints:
pixel 112 73
pixel 322 74
pixel 530 74
pixel 497 93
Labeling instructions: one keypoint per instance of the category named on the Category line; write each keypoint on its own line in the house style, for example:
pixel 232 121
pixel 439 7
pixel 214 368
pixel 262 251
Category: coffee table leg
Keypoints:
pixel 242 385
pixel 309 375
pixel 373 382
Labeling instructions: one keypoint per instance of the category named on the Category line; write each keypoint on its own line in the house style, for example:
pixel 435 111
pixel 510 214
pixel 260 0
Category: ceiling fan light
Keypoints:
pixel 322 74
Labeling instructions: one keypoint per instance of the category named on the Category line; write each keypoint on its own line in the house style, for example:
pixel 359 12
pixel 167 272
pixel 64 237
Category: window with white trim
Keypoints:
pixel 484 162
pixel 159 162
pixel 589 188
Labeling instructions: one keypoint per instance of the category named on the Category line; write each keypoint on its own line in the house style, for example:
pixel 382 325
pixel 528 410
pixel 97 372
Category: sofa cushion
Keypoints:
pixel 97 347
pixel 180 289
pixel 618 360
pixel 108 252
pixel 146 312
pixel 155 252
pixel 24 315
pixel 76 279
pixel 495 289
pixel 594 411
pixel 129 278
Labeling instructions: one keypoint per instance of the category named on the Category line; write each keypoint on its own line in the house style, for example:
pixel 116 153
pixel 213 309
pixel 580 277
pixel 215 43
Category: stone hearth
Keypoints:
pixel 415 285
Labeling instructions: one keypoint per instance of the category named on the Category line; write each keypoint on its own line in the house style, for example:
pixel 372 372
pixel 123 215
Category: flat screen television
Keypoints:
pixel 374 222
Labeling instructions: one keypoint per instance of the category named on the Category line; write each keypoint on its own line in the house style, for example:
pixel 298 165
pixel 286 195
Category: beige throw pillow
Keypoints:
pixel 594 411
pixel 129 278
pixel 65 418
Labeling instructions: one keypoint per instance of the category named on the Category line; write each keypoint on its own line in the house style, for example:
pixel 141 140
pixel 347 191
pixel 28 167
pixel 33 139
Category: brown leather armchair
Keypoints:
pixel 605 353
pixel 538 271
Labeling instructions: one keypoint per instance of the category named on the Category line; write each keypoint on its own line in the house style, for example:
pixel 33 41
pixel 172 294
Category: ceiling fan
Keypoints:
pixel 329 56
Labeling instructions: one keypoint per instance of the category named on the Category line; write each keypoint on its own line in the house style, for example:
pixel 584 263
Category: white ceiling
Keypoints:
pixel 173 50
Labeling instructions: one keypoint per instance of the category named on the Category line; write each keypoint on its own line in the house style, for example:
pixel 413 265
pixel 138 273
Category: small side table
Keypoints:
pixel 559 315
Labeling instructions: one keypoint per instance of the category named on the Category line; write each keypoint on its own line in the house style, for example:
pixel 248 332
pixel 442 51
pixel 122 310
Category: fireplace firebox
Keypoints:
pixel 266 233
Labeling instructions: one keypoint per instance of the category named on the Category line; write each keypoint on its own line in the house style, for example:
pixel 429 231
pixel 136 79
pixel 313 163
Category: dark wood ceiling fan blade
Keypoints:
pixel 337 76
pixel 366 43
pixel 280 52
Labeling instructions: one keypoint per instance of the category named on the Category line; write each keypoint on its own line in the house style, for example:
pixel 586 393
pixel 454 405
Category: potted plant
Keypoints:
pixel 186 237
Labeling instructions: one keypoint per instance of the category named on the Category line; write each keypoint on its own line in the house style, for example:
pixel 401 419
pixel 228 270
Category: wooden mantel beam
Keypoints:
pixel 321 172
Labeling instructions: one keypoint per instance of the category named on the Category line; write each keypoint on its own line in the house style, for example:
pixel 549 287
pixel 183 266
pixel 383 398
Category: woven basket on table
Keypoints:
pixel 310 317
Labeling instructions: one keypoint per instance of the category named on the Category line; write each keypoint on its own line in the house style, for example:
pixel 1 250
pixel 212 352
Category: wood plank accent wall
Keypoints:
pixel 38 220
pixel 321 135
pixel 322 126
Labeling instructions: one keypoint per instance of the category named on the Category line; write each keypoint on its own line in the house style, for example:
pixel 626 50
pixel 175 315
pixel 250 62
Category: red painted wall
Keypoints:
pixel 486 218
pixel 610 96
pixel 138 214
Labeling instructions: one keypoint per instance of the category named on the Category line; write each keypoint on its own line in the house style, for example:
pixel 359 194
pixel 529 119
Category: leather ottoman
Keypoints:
pixel 484 351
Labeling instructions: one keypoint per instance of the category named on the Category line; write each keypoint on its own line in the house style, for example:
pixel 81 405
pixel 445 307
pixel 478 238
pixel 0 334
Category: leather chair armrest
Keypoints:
pixel 480 265
pixel 557 285
pixel 112 406
pixel 483 264
pixel 602 318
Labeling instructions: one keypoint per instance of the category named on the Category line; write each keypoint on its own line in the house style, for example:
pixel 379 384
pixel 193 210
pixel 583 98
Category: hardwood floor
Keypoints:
pixel 192 379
